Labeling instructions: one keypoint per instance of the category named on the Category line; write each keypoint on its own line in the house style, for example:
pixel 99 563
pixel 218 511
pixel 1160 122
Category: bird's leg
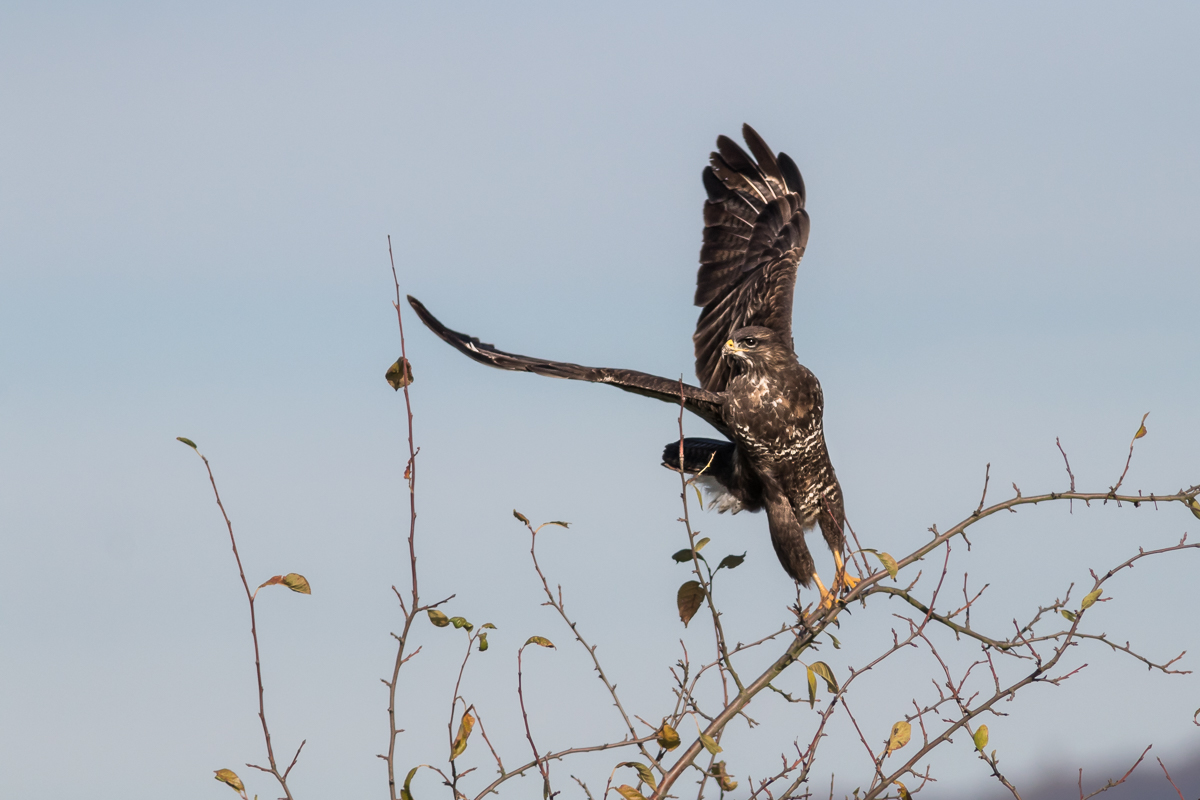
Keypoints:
pixel 844 578
pixel 827 597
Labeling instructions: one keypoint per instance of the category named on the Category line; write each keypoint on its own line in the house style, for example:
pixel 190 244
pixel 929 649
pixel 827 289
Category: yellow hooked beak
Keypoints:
pixel 731 347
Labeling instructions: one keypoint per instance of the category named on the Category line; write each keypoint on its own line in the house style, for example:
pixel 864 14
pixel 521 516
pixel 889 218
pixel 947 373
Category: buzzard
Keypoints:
pixel 753 389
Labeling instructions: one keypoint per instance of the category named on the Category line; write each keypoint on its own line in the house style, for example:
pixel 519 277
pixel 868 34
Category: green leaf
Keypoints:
pixel 1090 599
pixel 699 497
pixel 668 739
pixel 1070 615
pixel 647 777
pixel 682 555
pixel 437 618
pixel 483 645
pixel 192 445
pixel 700 544
pixel 889 564
pixel 406 792
pixel 836 644
pixel 688 600
pixel 460 622
pixel 812 688
pixel 630 793
pixel 520 516
pixel 731 562
pixel 400 374
pixel 822 669
pixel 489 626
pixel 540 641
pixel 710 744
pixel 980 738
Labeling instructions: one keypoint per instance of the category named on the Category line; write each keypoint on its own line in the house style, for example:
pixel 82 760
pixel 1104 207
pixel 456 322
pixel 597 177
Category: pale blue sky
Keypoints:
pixel 194 204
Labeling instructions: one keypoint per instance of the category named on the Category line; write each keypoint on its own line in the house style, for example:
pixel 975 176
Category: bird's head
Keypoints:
pixel 753 346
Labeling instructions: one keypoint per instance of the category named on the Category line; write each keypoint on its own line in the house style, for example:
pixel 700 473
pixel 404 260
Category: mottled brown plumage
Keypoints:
pixel 753 389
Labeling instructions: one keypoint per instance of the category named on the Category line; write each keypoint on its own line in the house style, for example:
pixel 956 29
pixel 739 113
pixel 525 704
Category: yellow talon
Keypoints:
pixel 827 597
pixel 846 580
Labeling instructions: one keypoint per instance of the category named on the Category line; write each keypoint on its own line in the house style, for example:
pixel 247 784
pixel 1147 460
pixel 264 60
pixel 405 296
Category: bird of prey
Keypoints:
pixel 753 389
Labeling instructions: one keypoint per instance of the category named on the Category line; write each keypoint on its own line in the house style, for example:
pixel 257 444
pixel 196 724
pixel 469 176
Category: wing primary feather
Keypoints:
pixel 703 403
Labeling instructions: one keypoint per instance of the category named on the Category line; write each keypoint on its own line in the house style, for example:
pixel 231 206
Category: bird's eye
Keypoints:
pixel 750 341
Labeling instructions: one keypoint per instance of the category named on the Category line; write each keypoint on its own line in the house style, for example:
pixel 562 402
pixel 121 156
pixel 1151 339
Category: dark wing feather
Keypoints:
pixel 705 404
pixel 755 231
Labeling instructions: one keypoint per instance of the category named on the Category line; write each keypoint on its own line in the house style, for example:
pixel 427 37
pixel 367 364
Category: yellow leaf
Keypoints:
pixel 1195 507
pixel 187 441
pixel 904 795
pixel 630 793
pixel 700 544
pixel 643 772
pixel 1141 431
pixel 437 618
pixel 541 641
pixel 822 669
pixel 710 744
pixel 667 738
pixel 557 522
pixel 1090 599
pixel 688 600
pixel 229 777
pixel 812 688
pixel 1070 615
pixel 901 733
pixel 464 732
pixel 297 583
pixel 400 374
pixel 717 770
pixel 980 738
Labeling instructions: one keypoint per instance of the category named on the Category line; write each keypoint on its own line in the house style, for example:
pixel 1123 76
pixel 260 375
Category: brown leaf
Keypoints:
pixel 438 618
pixel 541 641
pixel 901 733
pixel 688 600
pixel 400 374
pixel 229 777
pixel 630 793
pixel 464 732
pixel 666 737
pixel 729 562
pixel 520 516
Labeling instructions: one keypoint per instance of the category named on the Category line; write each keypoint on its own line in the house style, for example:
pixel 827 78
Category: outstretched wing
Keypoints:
pixel 705 404
pixel 755 230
